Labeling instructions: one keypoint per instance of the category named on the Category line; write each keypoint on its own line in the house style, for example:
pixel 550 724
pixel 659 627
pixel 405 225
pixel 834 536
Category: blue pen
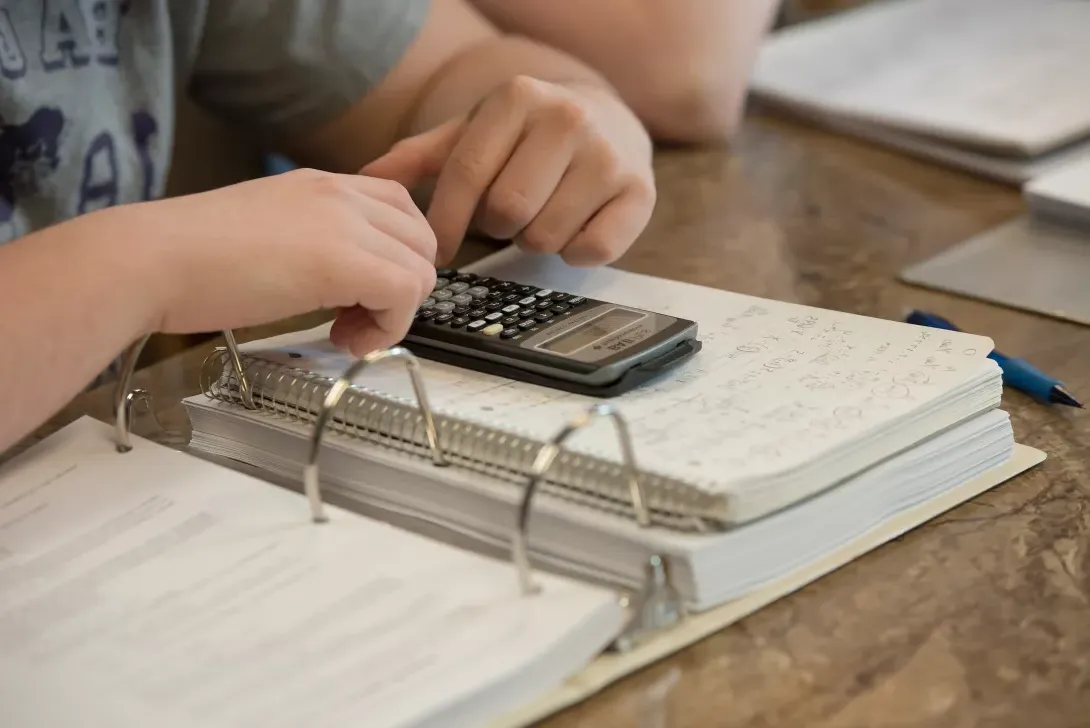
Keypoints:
pixel 1016 372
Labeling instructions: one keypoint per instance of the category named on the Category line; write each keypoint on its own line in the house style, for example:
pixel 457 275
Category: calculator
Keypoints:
pixel 541 336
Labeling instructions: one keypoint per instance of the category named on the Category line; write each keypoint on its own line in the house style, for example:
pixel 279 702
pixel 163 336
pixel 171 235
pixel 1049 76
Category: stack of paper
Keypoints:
pixel 152 588
pixel 795 430
pixel 998 87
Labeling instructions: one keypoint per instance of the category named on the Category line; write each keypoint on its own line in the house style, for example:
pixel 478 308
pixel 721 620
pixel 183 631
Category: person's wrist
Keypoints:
pixel 135 250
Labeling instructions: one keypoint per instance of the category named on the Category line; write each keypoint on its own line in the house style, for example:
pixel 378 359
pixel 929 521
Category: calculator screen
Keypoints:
pixel 597 328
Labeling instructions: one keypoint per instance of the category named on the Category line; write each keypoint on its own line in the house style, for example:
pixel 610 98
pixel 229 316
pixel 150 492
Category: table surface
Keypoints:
pixel 981 617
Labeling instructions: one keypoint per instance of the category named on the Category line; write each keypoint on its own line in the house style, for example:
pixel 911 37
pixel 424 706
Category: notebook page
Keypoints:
pixel 1010 73
pixel 774 385
pixel 175 587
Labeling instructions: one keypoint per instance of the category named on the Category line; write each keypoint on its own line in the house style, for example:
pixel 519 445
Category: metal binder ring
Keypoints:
pixel 311 484
pixel 124 398
pixel 236 359
pixel 544 460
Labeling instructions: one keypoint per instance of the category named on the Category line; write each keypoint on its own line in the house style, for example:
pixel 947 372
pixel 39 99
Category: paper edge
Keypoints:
pixel 611 668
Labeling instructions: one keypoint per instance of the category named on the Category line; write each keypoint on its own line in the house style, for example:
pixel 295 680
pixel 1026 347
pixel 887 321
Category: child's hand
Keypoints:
pixel 286 245
pixel 558 168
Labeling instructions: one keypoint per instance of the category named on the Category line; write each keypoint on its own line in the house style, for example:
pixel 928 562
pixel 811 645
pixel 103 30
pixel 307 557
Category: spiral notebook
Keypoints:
pixel 794 430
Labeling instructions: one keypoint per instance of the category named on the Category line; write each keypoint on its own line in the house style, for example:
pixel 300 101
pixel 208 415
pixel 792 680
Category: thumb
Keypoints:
pixel 419 157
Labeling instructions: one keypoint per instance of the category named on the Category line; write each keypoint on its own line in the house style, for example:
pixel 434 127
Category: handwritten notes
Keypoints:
pixel 775 385
pixel 152 586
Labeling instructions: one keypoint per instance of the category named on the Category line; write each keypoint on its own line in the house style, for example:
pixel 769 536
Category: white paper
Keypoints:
pixel 775 384
pixel 150 587
pixel 1009 74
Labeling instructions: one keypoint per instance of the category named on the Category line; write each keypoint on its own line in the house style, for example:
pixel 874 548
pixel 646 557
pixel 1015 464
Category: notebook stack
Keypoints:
pixel 792 432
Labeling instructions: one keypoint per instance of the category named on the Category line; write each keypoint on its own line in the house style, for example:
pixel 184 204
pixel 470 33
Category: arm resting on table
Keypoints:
pixel 682 65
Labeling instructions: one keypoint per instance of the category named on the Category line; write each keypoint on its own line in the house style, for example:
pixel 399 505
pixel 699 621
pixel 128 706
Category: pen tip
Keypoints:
pixel 1061 396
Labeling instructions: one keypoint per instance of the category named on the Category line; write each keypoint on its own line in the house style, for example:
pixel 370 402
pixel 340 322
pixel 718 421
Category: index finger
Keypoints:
pixel 489 139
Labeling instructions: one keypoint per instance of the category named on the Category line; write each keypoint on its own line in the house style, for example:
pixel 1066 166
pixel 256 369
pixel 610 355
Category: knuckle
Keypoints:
pixel 466 168
pixel 597 249
pixel 540 239
pixel 509 208
pixel 396 190
pixel 569 116
pixel 326 185
pixel 605 161
pixel 521 89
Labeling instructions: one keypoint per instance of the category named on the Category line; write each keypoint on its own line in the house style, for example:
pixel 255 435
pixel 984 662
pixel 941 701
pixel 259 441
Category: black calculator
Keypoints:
pixel 551 338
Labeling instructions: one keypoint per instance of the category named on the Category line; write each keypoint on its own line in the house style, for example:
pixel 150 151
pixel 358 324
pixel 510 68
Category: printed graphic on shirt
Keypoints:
pixel 28 154
pixel 75 133
pixel 74 32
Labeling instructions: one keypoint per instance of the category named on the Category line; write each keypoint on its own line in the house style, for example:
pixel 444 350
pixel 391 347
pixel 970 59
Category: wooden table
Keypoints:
pixel 979 618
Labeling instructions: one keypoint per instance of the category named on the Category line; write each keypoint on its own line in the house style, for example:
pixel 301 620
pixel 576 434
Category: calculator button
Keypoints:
pixel 459 321
pixel 494 316
pixel 528 301
pixel 503 286
pixel 440 283
pixel 427 313
pixel 543 316
pixel 446 272
pixel 485 281
pixel 510 320
pixel 477 325
pixel 444 306
pixel 542 305
pixel 477 291
pixel 527 324
pixel 467 278
pixel 510 309
pixel 428 303
pixel 510 298
pixel 558 297
pixel 461 310
pixel 526 312
pixel 458 287
pixel 492 330
pixel 495 295
pixel 442 318
pixel 525 289
pixel 494 306
pixel 544 293
pixel 509 333
pixel 576 301
pixel 559 307
pixel 478 313
pixel 441 295
pixel 462 299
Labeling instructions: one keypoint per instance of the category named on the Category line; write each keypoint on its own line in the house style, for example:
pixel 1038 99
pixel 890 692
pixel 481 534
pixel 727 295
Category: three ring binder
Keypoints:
pixel 655 607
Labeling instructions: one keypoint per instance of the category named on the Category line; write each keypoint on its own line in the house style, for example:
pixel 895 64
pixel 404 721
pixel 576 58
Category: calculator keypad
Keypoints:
pixel 485 306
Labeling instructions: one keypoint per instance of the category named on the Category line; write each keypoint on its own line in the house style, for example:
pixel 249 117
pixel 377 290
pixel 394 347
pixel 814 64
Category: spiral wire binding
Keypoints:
pixel 295 394
pixel 657 605
pixel 332 400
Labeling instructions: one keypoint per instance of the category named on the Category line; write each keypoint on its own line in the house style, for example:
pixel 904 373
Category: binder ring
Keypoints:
pixel 544 460
pixel 124 398
pixel 311 484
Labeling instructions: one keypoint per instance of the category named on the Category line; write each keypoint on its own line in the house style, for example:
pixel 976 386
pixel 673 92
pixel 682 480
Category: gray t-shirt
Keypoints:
pixel 87 87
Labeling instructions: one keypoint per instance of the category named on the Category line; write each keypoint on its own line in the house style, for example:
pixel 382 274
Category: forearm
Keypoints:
pixel 682 65
pixel 458 58
pixel 74 300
